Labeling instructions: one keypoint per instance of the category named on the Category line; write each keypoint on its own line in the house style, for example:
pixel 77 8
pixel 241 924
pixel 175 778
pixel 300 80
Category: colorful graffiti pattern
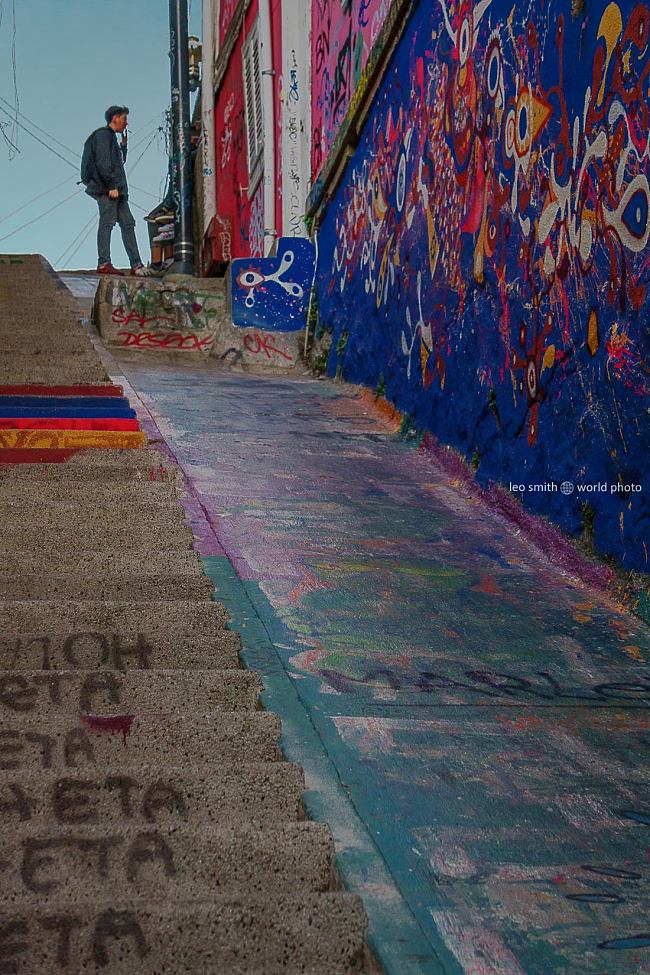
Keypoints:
pixel 174 319
pixel 489 246
pixel 343 32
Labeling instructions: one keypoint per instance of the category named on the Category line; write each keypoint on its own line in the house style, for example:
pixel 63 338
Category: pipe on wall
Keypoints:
pixel 210 47
pixel 180 108
pixel 268 113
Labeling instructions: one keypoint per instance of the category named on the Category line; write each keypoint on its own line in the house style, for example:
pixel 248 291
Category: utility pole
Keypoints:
pixel 180 88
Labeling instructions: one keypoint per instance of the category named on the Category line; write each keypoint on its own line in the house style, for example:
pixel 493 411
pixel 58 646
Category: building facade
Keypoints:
pixel 261 128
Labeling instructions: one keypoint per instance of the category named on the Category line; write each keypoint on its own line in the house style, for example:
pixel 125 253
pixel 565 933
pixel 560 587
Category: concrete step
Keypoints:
pixel 118 565
pixel 40 489
pixel 225 794
pixel 100 586
pixel 26 368
pixel 46 693
pixel 40 342
pixel 67 337
pixel 86 744
pixel 157 620
pixel 104 650
pixel 67 473
pixel 314 934
pixel 66 539
pixel 79 634
pixel 143 458
pixel 114 514
pixel 78 866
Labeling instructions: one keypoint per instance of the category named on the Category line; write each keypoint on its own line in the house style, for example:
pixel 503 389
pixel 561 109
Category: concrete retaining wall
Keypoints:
pixel 179 313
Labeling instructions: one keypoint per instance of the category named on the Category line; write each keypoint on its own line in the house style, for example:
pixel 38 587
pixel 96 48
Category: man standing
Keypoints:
pixel 102 171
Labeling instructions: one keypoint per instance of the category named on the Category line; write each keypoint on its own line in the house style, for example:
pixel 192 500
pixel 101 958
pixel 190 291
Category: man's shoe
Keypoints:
pixel 140 271
pixel 107 269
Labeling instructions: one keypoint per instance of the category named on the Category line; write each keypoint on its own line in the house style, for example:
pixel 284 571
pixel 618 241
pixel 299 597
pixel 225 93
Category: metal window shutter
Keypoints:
pixel 250 108
pixel 259 120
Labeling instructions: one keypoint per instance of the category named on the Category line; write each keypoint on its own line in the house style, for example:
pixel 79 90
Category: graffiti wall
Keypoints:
pixel 343 32
pixel 239 222
pixel 485 259
pixel 239 207
pixel 158 315
pixel 273 292
pixel 226 12
pixel 295 116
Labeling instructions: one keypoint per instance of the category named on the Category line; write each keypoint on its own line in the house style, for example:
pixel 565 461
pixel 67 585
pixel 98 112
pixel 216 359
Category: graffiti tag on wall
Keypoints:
pixel 176 319
pixel 342 37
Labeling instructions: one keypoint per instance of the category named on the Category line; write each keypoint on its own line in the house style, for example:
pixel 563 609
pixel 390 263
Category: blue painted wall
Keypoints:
pixel 273 292
pixel 486 254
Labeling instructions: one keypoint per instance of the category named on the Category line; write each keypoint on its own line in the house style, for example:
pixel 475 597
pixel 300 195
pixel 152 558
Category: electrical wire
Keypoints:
pixel 39 217
pixel 64 254
pixel 11 144
pixel 20 125
pixel 81 242
pixel 42 131
pixel 13 213
pixel 139 189
pixel 156 128
pixel 149 143
pixel 145 125
pixel 58 154
pixel 137 206
pixel 75 239
pixel 13 139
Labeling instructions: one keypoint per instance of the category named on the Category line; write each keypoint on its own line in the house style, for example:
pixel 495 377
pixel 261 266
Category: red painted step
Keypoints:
pixel 81 389
pixel 63 423
pixel 46 455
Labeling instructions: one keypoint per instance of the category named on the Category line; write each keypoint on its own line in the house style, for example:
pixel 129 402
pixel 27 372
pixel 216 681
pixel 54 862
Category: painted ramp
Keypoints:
pixel 472 721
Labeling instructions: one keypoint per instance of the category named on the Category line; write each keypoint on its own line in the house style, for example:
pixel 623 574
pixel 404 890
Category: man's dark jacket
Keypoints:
pixel 105 159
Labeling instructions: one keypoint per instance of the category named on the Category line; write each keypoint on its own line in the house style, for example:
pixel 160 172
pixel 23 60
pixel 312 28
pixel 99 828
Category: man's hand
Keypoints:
pixel 113 194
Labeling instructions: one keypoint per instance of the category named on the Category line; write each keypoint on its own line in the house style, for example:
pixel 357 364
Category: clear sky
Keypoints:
pixel 74 58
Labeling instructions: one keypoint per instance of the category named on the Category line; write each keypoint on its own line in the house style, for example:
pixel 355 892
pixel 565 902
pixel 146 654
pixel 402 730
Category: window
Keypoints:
pixel 253 105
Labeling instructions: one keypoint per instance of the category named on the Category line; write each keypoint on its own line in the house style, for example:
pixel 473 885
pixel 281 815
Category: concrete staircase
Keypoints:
pixel 148 821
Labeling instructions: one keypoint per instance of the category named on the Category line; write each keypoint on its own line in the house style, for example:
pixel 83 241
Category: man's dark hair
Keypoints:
pixel 115 110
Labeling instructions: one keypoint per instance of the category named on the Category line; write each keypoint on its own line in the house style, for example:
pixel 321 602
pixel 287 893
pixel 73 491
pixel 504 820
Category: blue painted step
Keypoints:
pixel 74 402
pixel 14 412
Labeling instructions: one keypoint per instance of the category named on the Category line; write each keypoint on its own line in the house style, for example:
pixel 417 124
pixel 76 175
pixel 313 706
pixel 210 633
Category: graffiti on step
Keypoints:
pixel 85 650
pixel 493 685
pixel 22 750
pixel 98 942
pixel 106 855
pixel 75 801
pixel 272 293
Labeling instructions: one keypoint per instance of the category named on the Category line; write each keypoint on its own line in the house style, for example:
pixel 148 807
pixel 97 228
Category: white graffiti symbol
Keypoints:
pixel 420 331
pixel 251 280
pixel 466 37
